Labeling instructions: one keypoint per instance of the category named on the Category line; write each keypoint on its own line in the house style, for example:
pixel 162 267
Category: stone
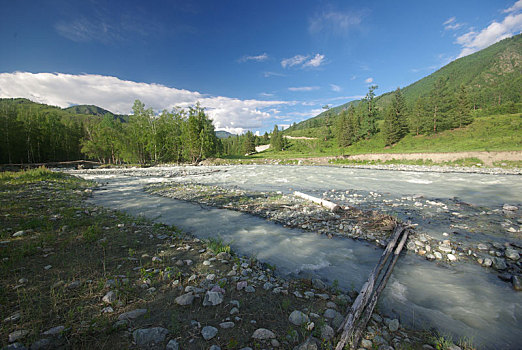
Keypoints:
pixel 17 335
pixel 250 289
pixel 227 325
pixel 42 344
pixel 107 310
pixel 437 255
pixel 487 262
pixel 145 337
pixel 185 299
pixel 23 280
pixel 367 344
pixel 509 207
pixel 234 311
pixel 517 283
pixel 337 321
pixel 512 254
pixel 482 246
pixel 54 331
pixel 327 332
pixel 393 325
pixel 318 284
pixel 274 343
pixel 499 264
pixel 241 285
pixel 211 277
pixel 172 345
pixel 213 299
pixel 310 344
pixel 19 234
pixel 263 334
pixel 452 257
pixel 209 332
pixel 330 313
pixel 13 318
pixel 343 299
pixel 109 298
pixel 214 347
pixel 133 314
pixel 15 346
pixel 445 248
pixel 298 318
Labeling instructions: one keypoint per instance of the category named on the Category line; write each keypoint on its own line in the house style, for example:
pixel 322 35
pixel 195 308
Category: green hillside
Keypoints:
pixel 492 76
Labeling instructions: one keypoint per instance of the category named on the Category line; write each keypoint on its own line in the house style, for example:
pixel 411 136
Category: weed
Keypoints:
pixel 218 246
pixel 92 233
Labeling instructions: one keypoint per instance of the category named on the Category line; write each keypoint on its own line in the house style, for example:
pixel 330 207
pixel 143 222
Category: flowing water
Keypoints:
pixel 464 300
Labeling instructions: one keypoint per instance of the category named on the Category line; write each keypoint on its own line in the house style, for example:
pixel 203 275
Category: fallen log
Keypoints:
pixel 358 332
pixel 359 305
pixel 323 202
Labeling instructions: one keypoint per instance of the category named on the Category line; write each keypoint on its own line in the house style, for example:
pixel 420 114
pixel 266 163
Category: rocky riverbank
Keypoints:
pixel 370 225
pixel 74 275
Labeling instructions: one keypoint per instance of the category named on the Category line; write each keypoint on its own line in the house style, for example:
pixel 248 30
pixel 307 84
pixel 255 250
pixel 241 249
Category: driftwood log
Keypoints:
pixel 350 325
pixel 323 202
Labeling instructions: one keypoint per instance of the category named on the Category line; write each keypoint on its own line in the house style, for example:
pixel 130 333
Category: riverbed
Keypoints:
pixel 460 299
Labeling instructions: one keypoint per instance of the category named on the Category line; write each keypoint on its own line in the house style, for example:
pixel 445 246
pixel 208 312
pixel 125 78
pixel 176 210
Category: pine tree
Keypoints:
pixel 395 127
pixel 368 126
pixel 249 146
pixel 462 109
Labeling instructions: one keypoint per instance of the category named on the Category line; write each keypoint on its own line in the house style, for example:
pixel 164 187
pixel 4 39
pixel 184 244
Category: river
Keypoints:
pixel 463 299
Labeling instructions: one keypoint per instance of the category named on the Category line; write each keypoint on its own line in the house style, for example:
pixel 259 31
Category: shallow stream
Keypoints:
pixel 464 300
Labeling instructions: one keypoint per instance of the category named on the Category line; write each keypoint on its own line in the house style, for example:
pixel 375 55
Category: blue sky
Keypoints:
pixel 252 64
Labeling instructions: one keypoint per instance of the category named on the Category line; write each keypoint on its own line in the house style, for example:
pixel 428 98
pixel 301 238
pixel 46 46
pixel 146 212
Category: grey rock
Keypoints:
pixel 234 311
pixel 318 284
pixel 145 337
pixel 214 347
pixel 452 257
pixel 343 299
pixel 377 318
pixel 15 346
pixel 487 262
pixel 213 299
pixel 131 315
pixel 172 345
pixel 109 298
pixel 185 299
pixel 267 286
pixel 509 207
pixel 437 255
pixel 13 318
pixel 327 332
pixel 367 344
pixel 274 343
pixel 512 254
pixel 263 334
pixel 499 264
pixel 445 248
pixel 393 325
pixel 19 234
pixel 17 335
pixel 227 325
pixel 310 344
pixel 482 246
pixel 42 344
pixel 54 331
pixel 209 332
pixel 337 321
pixel 250 289
pixel 330 313
pixel 298 318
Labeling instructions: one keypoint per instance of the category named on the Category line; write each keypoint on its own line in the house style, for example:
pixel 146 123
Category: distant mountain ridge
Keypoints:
pixel 493 74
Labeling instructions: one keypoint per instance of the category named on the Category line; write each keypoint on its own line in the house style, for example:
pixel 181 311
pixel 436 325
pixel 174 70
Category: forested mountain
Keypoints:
pixel 492 79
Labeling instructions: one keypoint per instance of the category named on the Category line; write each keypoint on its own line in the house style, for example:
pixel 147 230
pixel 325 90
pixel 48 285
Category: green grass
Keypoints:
pixel 218 246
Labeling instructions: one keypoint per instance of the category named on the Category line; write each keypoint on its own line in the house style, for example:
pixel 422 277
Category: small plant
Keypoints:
pixel 92 233
pixel 218 246
pixel 232 344
pixel 285 304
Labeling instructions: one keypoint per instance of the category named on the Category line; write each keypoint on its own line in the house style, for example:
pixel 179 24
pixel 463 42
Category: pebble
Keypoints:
pixel 263 334
pixel 517 283
pixel 512 254
pixel 19 234
pixel 145 337
pixel 172 345
pixel 227 325
pixel 209 332
pixel 17 335
pixel 327 332
pixel 185 299
pixel 298 318
pixel 109 298
pixel 54 331
pixel 452 257
pixel 131 315
pixel 213 299
pixel 367 344
pixel 47 267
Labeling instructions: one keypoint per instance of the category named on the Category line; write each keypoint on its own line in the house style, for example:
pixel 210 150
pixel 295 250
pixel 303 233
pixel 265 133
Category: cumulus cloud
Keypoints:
pixel 116 95
pixel 369 80
pixel 304 88
pixel 517 6
pixel 258 58
pixel 473 41
pixel 335 22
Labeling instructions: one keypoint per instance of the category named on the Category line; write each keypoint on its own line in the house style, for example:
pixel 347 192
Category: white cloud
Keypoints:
pixel 258 58
pixel 335 88
pixel 116 95
pixel 273 74
pixel 517 6
pixel 369 80
pixel 304 88
pixel 303 61
pixel 294 61
pixel 451 24
pixel 335 22
pixel 474 41
pixel 316 61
